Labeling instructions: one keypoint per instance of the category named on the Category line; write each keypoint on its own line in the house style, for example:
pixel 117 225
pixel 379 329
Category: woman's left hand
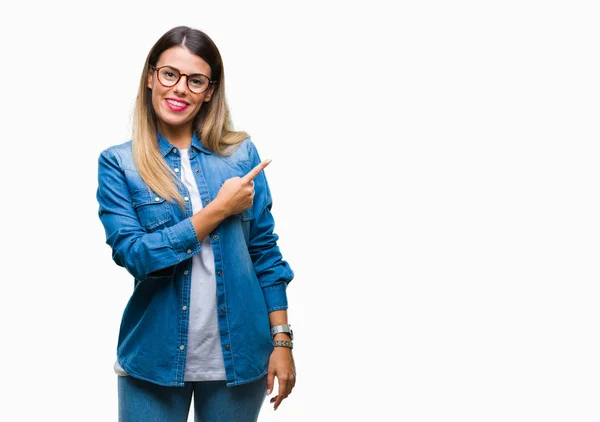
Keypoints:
pixel 281 365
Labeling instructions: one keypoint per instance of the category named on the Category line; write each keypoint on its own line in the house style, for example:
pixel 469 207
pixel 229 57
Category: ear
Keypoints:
pixel 209 93
pixel 150 81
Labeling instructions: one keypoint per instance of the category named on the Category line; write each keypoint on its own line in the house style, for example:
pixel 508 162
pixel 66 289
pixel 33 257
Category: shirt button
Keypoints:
pixel 186 272
pixel 181 347
pixel 215 236
pixel 197 170
pixel 174 150
pixel 222 309
pixel 184 308
pixel 157 199
pixel 189 251
pixel 227 347
pixel 219 273
pixel 175 170
pixel 206 201
pixel 186 199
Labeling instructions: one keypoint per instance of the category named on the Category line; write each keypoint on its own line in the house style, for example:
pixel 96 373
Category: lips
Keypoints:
pixel 176 105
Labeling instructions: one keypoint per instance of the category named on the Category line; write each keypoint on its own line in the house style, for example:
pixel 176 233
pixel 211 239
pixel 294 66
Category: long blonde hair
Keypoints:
pixel 212 124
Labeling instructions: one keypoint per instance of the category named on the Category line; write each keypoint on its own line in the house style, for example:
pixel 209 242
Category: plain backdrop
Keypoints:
pixel 435 180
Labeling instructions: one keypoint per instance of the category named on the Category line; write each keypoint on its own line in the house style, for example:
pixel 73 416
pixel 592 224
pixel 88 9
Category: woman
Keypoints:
pixel 186 210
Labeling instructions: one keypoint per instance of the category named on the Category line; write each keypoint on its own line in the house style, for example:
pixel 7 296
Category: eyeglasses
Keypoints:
pixel 169 76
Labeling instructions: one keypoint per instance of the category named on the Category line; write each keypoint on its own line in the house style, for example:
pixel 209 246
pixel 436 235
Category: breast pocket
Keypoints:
pixel 152 210
pixel 239 169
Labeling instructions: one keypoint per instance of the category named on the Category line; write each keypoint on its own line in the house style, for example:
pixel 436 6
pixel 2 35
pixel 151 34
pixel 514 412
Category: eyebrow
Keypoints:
pixel 191 74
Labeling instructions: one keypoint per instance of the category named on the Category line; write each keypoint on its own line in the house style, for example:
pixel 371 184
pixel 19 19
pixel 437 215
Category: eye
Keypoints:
pixel 169 74
pixel 198 81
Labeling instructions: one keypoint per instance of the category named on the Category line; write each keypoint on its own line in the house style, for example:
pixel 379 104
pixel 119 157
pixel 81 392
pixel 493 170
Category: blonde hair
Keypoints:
pixel 212 124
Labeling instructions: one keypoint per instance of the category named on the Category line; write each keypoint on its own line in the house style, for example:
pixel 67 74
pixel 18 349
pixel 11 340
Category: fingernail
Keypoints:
pixel 268 392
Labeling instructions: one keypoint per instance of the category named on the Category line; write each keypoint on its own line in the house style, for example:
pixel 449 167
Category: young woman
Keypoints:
pixel 187 211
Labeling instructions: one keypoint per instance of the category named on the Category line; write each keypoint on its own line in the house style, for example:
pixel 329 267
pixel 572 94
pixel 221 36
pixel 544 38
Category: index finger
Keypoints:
pixel 281 394
pixel 256 171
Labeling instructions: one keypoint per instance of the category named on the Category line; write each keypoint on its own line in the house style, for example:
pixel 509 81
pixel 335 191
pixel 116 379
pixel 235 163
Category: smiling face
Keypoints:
pixel 176 106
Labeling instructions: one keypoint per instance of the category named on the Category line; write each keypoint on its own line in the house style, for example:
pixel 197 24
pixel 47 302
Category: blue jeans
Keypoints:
pixel 143 401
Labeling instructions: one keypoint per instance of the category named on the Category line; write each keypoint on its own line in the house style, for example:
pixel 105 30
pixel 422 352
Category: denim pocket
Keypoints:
pixel 152 210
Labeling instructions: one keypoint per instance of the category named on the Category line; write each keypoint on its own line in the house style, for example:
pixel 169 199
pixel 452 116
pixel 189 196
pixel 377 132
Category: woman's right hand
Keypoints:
pixel 237 194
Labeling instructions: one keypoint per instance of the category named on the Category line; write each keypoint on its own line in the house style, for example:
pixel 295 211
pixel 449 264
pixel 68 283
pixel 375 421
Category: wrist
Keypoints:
pixel 282 336
pixel 216 206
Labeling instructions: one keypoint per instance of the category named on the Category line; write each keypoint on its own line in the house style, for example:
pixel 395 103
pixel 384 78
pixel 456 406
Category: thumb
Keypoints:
pixel 270 381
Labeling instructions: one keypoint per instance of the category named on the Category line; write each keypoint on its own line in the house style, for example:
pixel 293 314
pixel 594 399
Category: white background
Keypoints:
pixel 435 181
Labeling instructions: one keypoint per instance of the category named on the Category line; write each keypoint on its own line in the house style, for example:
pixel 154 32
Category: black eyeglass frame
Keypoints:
pixel 187 78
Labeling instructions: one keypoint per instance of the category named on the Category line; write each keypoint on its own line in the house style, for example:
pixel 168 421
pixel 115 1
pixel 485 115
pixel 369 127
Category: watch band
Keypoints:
pixel 284 328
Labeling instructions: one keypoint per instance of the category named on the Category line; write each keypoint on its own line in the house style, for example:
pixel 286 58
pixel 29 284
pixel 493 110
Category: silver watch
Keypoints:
pixel 285 328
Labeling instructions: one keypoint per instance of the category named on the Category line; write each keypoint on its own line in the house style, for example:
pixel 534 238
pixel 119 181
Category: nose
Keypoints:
pixel 181 85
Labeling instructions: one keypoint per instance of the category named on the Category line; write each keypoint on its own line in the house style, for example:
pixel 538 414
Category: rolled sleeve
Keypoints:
pixel 184 238
pixel 275 297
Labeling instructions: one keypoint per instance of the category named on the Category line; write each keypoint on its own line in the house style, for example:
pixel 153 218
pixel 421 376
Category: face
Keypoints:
pixel 176 106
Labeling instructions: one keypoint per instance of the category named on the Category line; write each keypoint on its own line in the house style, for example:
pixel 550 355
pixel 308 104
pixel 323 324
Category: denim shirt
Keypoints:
pixel 154 240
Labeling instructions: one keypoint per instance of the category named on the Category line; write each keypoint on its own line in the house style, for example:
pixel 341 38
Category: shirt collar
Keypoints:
pixel 165 146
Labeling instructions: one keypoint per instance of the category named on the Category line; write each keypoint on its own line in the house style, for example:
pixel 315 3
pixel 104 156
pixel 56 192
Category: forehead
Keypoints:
pixel 184 60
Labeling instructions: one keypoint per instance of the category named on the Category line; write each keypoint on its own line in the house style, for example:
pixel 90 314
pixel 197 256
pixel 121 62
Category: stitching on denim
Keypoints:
pixel 227 314
pixel 184 330
pixel 135 374
pixel 251 379
pixel 276 289
pixel 277 308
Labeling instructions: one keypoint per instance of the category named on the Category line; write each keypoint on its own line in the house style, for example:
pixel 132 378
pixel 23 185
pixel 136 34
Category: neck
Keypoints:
pixel 180 137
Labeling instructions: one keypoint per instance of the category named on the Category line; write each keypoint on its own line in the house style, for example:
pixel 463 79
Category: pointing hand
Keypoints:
pixel 237 193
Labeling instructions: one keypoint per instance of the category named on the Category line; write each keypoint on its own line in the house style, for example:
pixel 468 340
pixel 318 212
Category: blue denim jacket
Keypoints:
pixel 154 240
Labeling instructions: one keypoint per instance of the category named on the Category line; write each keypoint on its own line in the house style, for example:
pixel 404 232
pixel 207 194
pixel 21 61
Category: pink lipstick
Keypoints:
pixel 176 105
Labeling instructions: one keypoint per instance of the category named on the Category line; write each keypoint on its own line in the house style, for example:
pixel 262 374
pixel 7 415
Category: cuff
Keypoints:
pixel 276 297
pixel 184 240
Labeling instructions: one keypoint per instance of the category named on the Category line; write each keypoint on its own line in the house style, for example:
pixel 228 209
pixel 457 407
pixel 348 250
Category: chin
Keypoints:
pixel 175 123
pixel 171 120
